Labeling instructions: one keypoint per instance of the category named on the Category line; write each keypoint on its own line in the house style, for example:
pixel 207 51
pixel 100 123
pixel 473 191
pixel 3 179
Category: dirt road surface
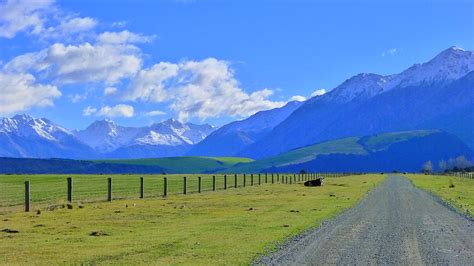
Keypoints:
pixel 395 224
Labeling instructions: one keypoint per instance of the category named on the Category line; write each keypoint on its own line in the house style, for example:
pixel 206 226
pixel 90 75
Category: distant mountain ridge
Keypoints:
pixel 25 136
pixel 236 136
pixel 438 94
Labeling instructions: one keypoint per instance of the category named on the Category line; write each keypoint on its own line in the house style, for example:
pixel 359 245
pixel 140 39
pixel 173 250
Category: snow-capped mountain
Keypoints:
pixel 359 87
pixel 168 138
pixel 106 136
pixel 438 94
pixel 236 136
pixel 25 136
pixel 451 64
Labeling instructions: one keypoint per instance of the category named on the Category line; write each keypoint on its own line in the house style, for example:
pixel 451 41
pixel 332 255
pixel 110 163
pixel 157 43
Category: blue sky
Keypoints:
pixel 139 62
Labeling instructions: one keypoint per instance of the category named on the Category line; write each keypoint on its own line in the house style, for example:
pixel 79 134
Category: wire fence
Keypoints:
pixel 469 175
pixel 49 191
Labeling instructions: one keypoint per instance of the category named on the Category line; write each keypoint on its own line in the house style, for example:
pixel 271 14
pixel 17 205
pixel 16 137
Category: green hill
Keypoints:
pixel 382 152
pixel 178 165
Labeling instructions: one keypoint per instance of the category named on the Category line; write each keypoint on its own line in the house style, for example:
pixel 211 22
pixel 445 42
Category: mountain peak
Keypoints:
pixel 24 117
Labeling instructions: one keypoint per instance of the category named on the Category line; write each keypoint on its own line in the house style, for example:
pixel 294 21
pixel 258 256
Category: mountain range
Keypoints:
pixel 25 136
pixel 438 94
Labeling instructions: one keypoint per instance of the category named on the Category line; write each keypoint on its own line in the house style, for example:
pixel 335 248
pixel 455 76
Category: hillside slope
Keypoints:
pixel 402 151
pixel 437 94
pixel 236 136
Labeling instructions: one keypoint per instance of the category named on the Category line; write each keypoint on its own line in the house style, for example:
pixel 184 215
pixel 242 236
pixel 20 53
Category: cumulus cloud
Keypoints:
pixel 297 98
pixel 119 110
pixel 19 16
pixel 152 84
pixel 69 26
pixel 123 37
pixel 110 90
pixel 318 92
pixel 155 113
pixel 81 63
pixel 200 89
pixel 21 92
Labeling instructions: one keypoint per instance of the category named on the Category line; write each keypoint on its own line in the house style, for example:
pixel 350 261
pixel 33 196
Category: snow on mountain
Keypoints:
pixel 26 126
pixel 25 136
pixel 172 133
pixel 157 140
pixel 106 136
pixel 361 87
pixel 451 64
pixel 437 94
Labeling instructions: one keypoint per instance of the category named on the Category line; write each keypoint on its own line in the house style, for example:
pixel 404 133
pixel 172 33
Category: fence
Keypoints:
pixel 45 190
pixel 457 174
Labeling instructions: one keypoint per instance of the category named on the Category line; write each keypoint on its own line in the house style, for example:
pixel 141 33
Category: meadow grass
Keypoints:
pixel 224 227
pixel 52 189
pixel 457 191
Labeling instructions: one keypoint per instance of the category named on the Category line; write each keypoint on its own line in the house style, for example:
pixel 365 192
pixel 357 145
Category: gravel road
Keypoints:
pixel 395 224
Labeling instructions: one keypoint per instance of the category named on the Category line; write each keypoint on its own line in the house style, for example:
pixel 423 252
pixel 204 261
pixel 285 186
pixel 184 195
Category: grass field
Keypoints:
pixel 232 226
pixel 457 191
pixel 52 189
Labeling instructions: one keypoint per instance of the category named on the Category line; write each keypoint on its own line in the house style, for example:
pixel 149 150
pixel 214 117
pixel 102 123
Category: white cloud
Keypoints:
pixel 81 63
pixel 150 85
pixel 119 110
pixel 75 98
pixel 69 26
pixel 110 90
pixel 297 98
pixel 200 89
pixel 89 110
pixel 123 37
pixel 21 15
pixel 318 92
pixel 391 51
pixel 20 92
pixel 119 24
pixel 155 113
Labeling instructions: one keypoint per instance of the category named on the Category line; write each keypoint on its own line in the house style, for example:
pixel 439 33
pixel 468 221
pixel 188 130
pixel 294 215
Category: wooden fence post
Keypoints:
pixel 251 179
pixel 259 180
pixel 266 178
pixel 225 182
pixel 245 180
pixel 27 196
pixel 165 187
pixel 213 183
pixel 273 179
pixel 278 178
pixel 142 188
pixel 184 186
pixel 69 190
pixel 109 189
pixel 199 184
pixel 235 180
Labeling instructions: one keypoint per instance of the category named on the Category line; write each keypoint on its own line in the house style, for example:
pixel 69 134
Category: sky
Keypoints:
pixel 139 62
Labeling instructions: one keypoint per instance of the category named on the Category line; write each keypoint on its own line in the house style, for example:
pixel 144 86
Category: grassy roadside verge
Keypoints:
pixel 457 191
pixel 232 226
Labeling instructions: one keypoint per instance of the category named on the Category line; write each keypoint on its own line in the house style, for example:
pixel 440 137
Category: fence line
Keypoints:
pixel 456 174
pixel 88 189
